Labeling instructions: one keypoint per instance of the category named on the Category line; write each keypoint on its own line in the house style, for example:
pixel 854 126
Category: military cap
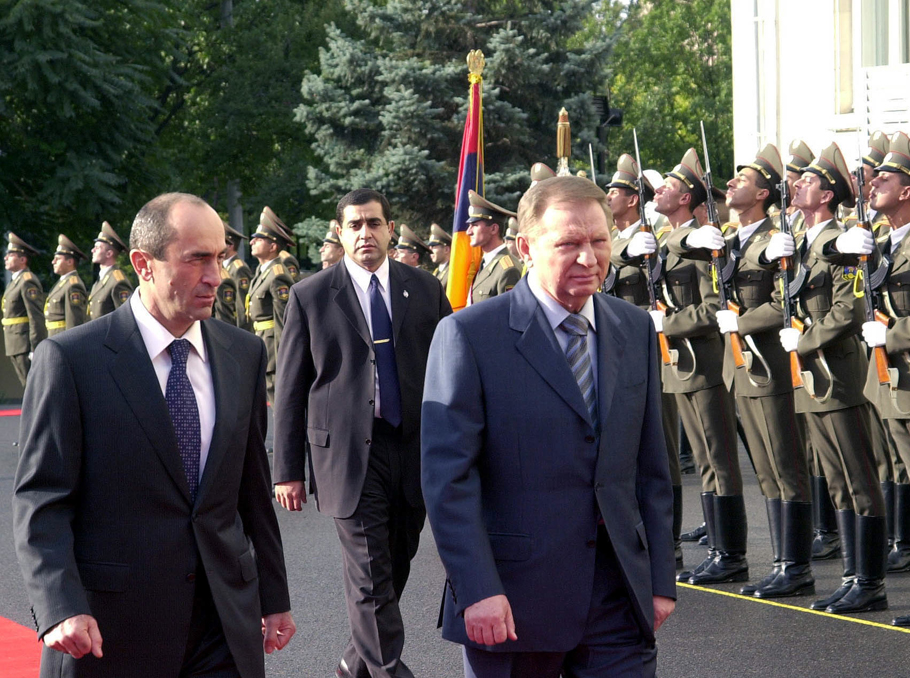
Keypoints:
pixel 626 176
pixel 690 173
pixel 898 157
pixel 410 241
pixel 394 240
pixel 832 167
pixel 67 247
pixel 539 172
pixel 18 245
pixel 232 233
pixel 654 178
pixel 768 163
pixel 110 237
pixel 482 209
pixel 512 229
pixel 332 236
pixel 438 236
pixel 801 156
pixel 878 148
pixel 269 230
pixel 269 212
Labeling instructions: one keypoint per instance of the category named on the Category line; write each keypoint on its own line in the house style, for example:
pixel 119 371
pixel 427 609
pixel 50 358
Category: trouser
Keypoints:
pixel 777 446
pixel 883 451
pixel 207 652
pixel 709 418
pixel 377 544
pixel 22 365
pixel 670 419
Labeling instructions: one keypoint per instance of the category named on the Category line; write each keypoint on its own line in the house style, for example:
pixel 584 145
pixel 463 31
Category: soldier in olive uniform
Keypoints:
pixel 331 251
pixel 23 320
pixel 801 156
pixel 225 307
pixel 499 271
pixel 67 302
pixel 511 237
pixel 113 288
pixel 240 273
pixel 288 260
pixel 835 364
pixel 696 376
pixel 630 244
pixel 268 294
pixel 440 245
pixel 412 251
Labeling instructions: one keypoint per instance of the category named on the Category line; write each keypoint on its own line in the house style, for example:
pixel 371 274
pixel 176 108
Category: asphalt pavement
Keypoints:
pixel 713 633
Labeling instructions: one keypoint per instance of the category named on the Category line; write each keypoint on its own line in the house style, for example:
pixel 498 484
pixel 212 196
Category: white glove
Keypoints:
pixel 856 240
pixel 874 333
pixel 706 237
pixel 641 244
pixel 31 355
pixel 780 246
pixel 789 338
pixel 727 321
pixel 657 317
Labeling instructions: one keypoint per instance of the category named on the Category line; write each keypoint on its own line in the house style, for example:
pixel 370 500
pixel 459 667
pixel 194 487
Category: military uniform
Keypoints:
pixel 225 308
pixel 113 288
pixel 241 274
pixel 411 242
pixel 67 302
pixel 288 260
pixel 499 271
pixel 438 237
pixel 23 319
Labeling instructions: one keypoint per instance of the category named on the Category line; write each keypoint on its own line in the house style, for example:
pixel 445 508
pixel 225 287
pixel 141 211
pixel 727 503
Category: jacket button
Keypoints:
pixel 368 441
pixel 191 577
pixel 589 439
pixel 371 402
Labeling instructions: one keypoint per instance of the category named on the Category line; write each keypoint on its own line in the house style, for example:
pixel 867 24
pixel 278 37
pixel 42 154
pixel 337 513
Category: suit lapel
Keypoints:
pixel 398 294
pixel 611 346
pixel 347 301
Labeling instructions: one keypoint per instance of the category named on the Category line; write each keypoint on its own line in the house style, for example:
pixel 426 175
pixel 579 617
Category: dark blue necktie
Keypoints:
pixel 181 403
pixel 576 326
pixel 384 348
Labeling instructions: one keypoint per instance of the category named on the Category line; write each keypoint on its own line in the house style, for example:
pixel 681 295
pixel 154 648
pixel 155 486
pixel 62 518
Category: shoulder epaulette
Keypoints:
pixel 118 275
pixel 224 274
pixel 237 263
pixel 506 262
pixel 278 269
pixel 284 254
pixel 28 275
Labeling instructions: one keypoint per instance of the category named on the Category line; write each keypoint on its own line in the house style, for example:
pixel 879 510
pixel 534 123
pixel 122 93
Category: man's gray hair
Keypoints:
pixel 152 230
pixel 558 191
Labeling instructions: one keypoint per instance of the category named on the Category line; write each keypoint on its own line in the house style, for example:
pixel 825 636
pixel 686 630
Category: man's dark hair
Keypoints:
pixel 362 196
pixel 773 194
pixel 152 230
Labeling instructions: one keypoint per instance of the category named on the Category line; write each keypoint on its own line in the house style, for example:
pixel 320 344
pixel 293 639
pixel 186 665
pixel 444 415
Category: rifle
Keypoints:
pixel 649 272
pixel 736 341
pixel 879 355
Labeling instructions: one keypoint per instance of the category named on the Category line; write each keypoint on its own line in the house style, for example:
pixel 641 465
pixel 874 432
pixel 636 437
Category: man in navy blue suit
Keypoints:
pixel 544 468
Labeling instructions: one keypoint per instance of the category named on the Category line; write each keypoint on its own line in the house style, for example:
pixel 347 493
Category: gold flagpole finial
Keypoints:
pixel 476 62
pixel 563 143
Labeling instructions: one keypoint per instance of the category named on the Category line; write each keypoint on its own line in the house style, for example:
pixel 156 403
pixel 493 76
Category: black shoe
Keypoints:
pixel 903 622
pixel 899 558
pixel 825 546
pixel 841 591
pixel 774 509
pixel 793 580
pixel 696 534
pixel 686 466
pixel 725 568
pixel 866 595
pixel 684 576
pixel 703 541
pixel 750 589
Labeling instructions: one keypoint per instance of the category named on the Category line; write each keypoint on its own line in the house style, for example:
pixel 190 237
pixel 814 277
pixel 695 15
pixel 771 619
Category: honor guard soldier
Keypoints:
pixel 412 251
pixel 440 244
pixel 630 245
pixel 834 365
pixel 225 307
pixel 393 244
pixel 331 251
pixel 240 273
pixel 67 302
pixel 499 271
pixel 695 374
pixel 113 288
pixel 288 260
pixel 510 239
pixel 801 156
pixel 268 293
pixel 23 321
pixel 873 157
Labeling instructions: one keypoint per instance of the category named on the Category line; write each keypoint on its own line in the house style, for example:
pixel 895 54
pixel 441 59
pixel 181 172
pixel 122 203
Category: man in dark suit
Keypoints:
pixel 350 373
pixel 142 507
pixel 544 465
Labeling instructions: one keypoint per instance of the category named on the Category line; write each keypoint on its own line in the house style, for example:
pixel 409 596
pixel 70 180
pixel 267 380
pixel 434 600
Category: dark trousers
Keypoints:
pixel 21 364
pixel 377 544
pixel 612 646
pixel 207 653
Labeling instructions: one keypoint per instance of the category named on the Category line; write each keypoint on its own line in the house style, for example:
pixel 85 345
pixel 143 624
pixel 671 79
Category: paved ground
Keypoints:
pixel 712 633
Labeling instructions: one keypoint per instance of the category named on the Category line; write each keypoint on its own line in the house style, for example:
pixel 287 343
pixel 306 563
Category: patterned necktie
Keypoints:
pixel 384 348
pixel 576 326
pixel 181 403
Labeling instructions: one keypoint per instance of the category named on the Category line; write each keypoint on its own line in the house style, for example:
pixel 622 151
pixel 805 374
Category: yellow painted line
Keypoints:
pixel 753 599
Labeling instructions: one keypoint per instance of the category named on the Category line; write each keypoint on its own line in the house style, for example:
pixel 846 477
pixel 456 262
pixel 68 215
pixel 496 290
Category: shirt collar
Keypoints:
pixel 745 232
pixel 812 233
pixel 103 271
pixel 555 311
pixel 227 261
pixel 362 277
pixel 489 256
pixel 629 231
pixel 156 337
pixel 897 236
pixel 16 274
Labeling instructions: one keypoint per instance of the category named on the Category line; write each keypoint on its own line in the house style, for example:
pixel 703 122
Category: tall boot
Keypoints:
pixel 899 558
pixel 868 591
pixel 730 540
pixel 846 523
pixel 825 544
pixel 774 524
pixel 677 524
pixel 795 578
pixel 888 494
pixel 707 508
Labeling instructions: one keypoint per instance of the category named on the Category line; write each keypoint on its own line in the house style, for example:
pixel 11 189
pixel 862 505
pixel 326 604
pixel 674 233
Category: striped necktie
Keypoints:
pixel 181 404
pixel 576 326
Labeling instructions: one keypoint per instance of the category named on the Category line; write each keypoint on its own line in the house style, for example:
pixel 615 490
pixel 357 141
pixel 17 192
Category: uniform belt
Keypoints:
pixel 258 326
pixel 15 321
pixel 55 324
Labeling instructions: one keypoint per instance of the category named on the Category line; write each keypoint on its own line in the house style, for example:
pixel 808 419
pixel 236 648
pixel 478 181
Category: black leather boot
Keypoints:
pixel 774 525
pixel 899 558
pixel 695 534
pixel 707 507
pixel 677 524
pixel 846 522
pixel 888 494
pixel 795 578
pixel 826 541
pixel 730 540
pixel 868 591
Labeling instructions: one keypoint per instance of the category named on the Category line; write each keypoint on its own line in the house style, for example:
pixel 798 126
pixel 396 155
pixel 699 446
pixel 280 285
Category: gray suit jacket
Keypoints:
pixel 104 524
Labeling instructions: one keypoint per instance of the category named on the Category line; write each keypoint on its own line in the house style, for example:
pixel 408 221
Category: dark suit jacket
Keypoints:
pixel 104 524
pixel 325 381
pixel 514 474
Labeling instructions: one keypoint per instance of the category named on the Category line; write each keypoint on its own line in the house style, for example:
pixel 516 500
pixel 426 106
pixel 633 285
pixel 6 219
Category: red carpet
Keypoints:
pixel 20 651
pixel 10 413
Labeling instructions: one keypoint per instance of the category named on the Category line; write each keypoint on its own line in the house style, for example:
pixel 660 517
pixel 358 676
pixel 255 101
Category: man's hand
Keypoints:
pixel 657 317
pixel 663 608
pixel 781 245
pixel 489 621
pixel 77 636
pixel 727 321
pixel 706 237
pixel 874 333
pixel 291 495
pixel 277 631
pixel 789 339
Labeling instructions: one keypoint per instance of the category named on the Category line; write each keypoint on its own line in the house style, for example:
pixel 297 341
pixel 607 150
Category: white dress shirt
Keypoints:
pixel 897 236
pixel 157 339
pixel 629 231
pixel 812 233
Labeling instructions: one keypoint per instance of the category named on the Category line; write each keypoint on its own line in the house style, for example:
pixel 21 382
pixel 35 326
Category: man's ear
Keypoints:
pixel 142 264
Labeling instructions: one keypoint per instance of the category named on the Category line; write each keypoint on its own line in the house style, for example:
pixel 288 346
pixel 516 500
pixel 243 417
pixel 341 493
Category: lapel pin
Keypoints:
pixel 405 294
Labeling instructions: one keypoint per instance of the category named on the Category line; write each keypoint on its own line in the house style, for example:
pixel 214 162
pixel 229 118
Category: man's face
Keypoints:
pixel 62 264
pixel 570 252
pixel 182 287
pixel 482 232
pixel 263 248
pixel 622 203
pixel 330 254
pixel 792 178
pixel 868 176
pixel 408 257
pixel 743 192
pixel 809 194
pixel 512 246
pixel 439 254
pixel 14 261
pixel 888 195
pixel 365 234
pixel 102 253
pixel 670 197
